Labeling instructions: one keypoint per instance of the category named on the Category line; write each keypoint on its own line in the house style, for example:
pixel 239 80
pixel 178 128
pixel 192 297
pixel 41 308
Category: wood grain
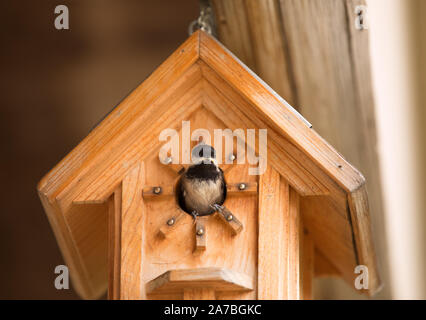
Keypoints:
pixel 358 201
pixel 326 62
pixel 323 267
pixel 203 83
pixel 230 220
pixel 198 280
pixel 235 188
pixel 308 263
pixel 132 218
pixel 179 217
pixel 200 232
pixel 165 191
pixel 233 23
pixel 249 29
pixel 276 238
pixel 331 224
pixel 294 284
pixel 272 248
pixel 199 294
pixel 278 114
pixel 227 104
pixel 139 138
pixel 114 244
pixel 233 252
pixel 151 89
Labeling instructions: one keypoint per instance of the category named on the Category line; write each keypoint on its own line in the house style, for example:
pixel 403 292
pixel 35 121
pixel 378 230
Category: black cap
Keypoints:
pixel 203 151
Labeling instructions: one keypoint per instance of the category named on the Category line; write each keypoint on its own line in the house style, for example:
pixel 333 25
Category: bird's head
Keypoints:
pixel 203 153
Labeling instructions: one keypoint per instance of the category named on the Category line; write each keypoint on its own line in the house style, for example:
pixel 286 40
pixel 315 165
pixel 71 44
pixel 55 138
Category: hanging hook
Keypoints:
pixel 205 21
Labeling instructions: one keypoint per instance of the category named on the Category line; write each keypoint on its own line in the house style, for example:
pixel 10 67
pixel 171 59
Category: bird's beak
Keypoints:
pixel 205 160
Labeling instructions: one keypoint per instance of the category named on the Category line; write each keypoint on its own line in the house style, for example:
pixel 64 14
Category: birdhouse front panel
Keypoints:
pixel 133 214
pixel 177 248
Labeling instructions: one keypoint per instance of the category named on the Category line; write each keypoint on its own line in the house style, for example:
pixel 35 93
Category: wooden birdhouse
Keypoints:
pixel 112 201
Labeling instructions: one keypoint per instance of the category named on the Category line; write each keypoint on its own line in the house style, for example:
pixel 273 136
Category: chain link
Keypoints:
pixel 205 21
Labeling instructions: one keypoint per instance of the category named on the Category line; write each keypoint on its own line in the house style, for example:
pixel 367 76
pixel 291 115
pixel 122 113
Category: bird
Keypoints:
pixel 202 187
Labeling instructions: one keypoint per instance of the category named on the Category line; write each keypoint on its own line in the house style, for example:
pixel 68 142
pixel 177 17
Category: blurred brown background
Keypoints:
pixel 55 86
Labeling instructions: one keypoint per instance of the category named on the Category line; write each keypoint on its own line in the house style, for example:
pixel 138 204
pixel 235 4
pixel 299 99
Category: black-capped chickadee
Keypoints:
pixel 202 187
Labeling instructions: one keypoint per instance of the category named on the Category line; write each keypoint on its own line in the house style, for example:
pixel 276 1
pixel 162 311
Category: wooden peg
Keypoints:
pixel 227 166
pixel 241 188
pixel 230 220
pixel 153 192
pixel 200 235
pixel 172 223
pixel 178 168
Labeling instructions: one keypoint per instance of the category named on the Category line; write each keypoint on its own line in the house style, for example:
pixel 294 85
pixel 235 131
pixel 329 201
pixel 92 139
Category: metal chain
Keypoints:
pixel 205 21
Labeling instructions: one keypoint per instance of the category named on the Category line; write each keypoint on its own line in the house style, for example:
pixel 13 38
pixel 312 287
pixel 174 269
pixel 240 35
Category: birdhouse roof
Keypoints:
pixel 202 73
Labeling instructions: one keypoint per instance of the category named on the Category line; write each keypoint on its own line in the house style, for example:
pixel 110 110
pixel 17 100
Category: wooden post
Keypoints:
pixel 294 264
pixel 200 235
pixel 307 269
pixel 114 244
pixel 278 252
pixel 125 236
